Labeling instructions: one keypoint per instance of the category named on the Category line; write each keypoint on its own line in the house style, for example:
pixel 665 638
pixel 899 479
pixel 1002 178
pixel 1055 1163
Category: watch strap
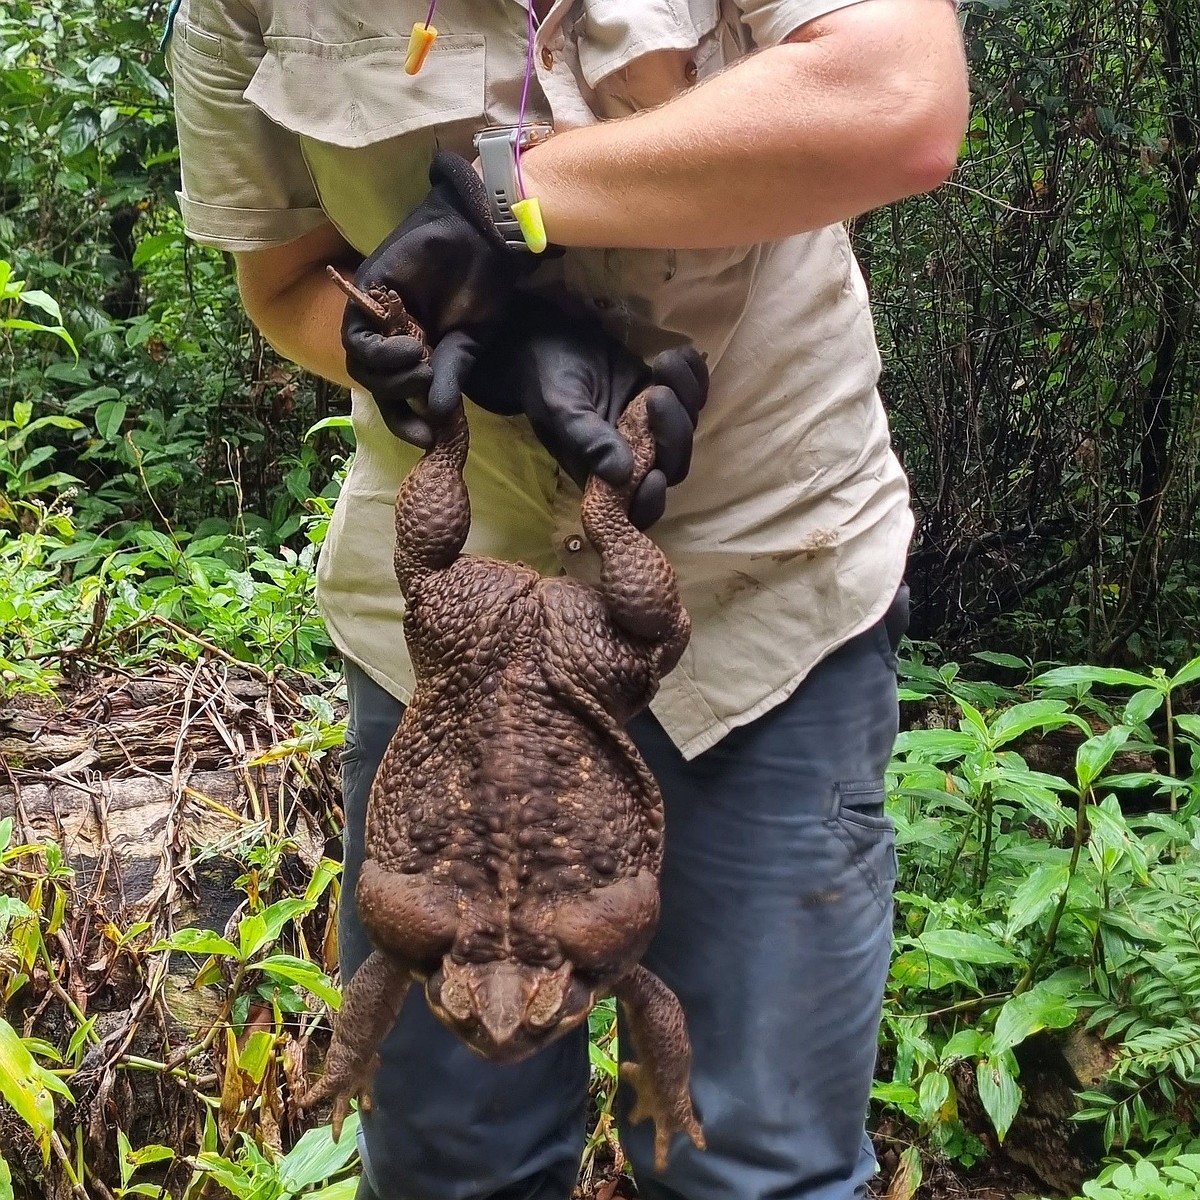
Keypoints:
pixel 498 158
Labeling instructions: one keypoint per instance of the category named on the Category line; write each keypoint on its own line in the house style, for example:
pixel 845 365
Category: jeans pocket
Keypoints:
pixel 866 831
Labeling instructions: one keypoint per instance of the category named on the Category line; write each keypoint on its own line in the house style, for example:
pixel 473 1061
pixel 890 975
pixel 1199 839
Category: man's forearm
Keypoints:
pixel 294 303
pixel 305 326
pixel 796 137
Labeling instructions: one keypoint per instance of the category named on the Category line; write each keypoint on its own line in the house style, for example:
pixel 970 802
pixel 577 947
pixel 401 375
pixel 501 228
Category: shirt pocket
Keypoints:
pixel 367 130
pixel 636 54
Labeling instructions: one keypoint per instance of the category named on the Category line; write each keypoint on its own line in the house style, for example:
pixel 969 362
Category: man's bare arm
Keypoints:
pixel 858 109
pixel 295 305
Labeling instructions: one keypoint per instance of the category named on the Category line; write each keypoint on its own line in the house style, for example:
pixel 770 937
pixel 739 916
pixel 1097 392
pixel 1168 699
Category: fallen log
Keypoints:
pixel 173 800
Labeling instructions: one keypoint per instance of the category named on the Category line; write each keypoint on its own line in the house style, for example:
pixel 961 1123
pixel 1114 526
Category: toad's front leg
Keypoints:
pixel 636 580
pixel 433 511
pixel 661 1075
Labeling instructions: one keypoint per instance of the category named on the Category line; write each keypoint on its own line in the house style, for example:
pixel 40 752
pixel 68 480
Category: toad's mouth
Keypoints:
pixel 507 1010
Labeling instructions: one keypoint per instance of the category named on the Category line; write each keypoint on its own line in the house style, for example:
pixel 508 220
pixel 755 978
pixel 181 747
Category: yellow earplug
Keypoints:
pixel 419 44
pixel 529 217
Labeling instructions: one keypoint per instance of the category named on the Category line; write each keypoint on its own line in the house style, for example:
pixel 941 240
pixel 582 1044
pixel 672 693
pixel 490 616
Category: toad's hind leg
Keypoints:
pixel 369 1009
pixel 433 512
pixel 661 1074
pixel 636 580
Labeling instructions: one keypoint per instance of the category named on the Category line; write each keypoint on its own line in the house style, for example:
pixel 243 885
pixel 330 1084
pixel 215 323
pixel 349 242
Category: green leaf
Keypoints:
pixel 316 1156
pixel 23 1085
pixel 973 719
pixel 999 1093
pixel 22 411
pixel 306 974
pixel 1021 718
pixel 229 1175
pixel 899 1094
pixel 103 68
pixel 1096 753
pixel 934 745
pixel 602 1061
pixel 1035 895
pixel 257 930
pixel 1188 673
pixel 915 969
pixel 1001 660
pixel 1142 705
pixel 957 946
pixel 6 1188
pixel 932 1094
pixel 150 1154
pixel 966 1043
pixel 337 422
pixel 1189 723
pixel 43 302
pixel 1027 1014
pixel 1108 676
pixel 344 1189
pixel 159 542
pixel 110 415
pixel 254 1056
pixel 197 941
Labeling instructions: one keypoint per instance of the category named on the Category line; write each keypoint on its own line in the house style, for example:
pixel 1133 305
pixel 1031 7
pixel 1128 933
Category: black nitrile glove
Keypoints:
pixel 573 381
pixel 450 266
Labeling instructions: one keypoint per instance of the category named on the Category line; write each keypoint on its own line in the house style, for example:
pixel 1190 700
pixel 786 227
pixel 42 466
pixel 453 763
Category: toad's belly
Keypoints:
pixel 517 796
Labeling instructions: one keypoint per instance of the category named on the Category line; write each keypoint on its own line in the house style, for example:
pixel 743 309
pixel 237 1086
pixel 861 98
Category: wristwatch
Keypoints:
pixel 497 150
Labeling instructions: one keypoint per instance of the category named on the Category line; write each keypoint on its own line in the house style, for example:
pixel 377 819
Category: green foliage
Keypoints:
pixel 1019 914
pixel 61 587
pixel 315 1159
pixel 173 403
pixel 1037 327
pixel 1176 1179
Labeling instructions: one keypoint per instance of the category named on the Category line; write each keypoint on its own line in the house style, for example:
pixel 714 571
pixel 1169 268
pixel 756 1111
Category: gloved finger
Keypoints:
pixel 405 424
pixel 673 432
pixel 401 387
pixel 369 353
pixel 452 360
pixel 685 372
pixel 584 444
pixel 360 327
pixel 649 500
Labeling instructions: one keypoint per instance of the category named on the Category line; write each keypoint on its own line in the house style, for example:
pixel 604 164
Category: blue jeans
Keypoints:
pixel 775 935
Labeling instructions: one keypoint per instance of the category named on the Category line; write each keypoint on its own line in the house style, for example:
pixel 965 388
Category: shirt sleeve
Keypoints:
pixel 245 182
pixel 770 21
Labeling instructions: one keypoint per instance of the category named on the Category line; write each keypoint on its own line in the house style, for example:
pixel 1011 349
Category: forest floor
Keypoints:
pixel 175 794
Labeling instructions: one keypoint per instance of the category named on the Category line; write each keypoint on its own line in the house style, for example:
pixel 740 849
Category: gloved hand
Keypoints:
pixel 453 270
pixel 573 381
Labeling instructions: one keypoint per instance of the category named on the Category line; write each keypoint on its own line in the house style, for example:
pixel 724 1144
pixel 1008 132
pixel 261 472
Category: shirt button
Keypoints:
pixel 547 58
pixel 574 544
pixel 690 72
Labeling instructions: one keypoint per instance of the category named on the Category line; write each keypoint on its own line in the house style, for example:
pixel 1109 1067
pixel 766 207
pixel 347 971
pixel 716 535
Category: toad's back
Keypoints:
pixel 509 776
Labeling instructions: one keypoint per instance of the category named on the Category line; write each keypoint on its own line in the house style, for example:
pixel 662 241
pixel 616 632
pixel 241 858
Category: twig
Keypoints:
pixel 64 1159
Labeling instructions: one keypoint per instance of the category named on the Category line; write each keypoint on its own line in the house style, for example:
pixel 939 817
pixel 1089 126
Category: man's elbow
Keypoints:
pixel 929 149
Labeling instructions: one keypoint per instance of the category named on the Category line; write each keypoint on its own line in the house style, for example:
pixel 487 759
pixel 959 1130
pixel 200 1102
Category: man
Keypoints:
pixel 705 154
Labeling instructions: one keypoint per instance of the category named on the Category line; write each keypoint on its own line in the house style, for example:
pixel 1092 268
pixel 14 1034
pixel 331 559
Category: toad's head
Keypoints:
pixel 507 1009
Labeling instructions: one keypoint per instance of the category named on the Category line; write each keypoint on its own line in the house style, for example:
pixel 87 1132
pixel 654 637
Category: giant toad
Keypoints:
pixel 514 834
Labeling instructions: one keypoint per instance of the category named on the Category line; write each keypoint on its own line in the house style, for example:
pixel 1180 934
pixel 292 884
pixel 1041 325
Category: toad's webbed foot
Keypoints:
pixel 369 1010
pixel 660 1077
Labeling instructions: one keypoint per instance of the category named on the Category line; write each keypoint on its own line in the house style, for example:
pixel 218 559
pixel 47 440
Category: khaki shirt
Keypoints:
pixel 790 533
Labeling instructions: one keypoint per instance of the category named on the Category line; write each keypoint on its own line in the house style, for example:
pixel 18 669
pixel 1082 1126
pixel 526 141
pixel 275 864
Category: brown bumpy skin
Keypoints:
pixel 514 835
